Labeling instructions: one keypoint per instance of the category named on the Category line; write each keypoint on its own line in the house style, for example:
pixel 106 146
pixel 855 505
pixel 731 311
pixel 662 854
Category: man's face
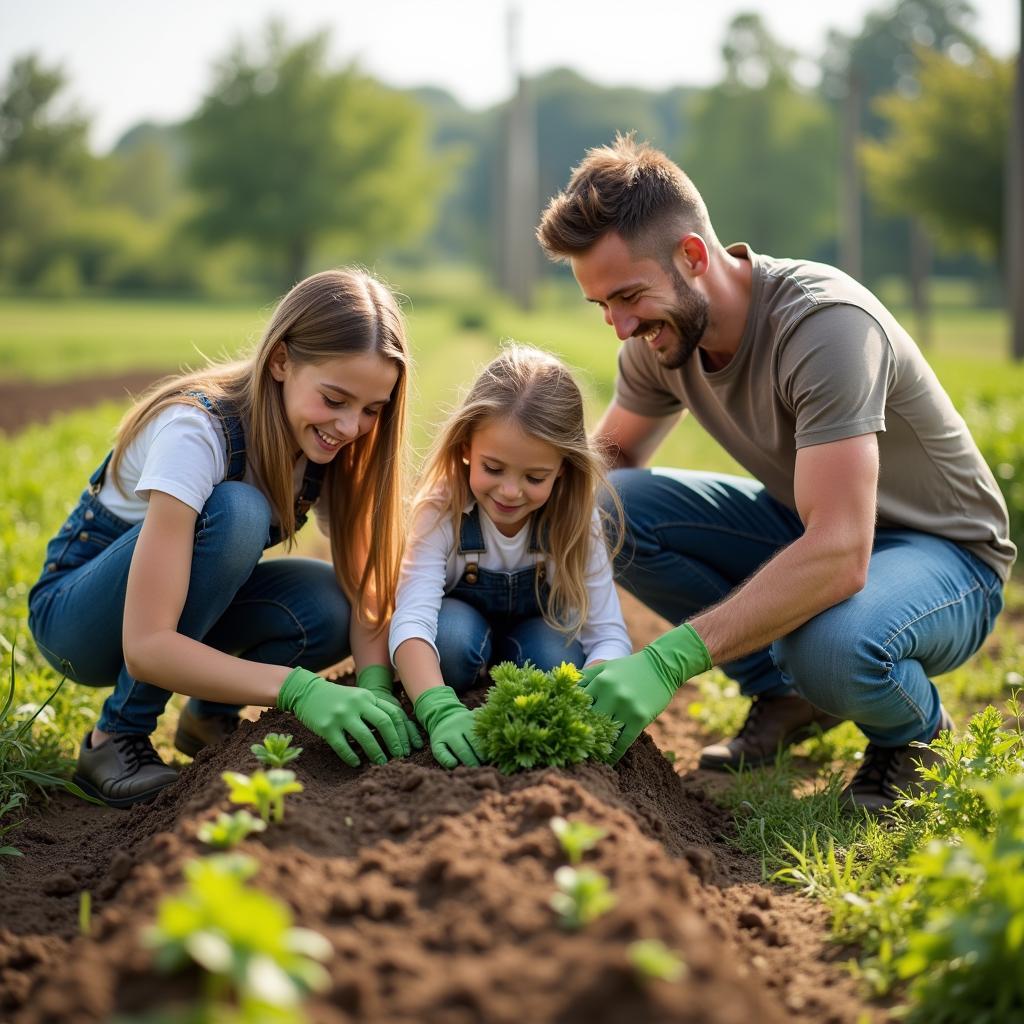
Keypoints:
pixel 643 299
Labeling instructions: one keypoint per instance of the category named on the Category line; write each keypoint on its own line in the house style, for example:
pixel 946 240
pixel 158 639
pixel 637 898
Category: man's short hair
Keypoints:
pixel 628 187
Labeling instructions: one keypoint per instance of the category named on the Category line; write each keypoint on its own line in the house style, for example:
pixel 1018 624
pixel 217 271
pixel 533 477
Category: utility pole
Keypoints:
pixel 1015 204
pixel 517 263
pixel 850 226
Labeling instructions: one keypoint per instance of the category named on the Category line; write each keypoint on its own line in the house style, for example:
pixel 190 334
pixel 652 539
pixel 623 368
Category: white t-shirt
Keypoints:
pixel 182 452
pixel 432 566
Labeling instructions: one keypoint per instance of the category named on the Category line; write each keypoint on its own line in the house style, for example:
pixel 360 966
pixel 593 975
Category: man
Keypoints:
pixel 870 551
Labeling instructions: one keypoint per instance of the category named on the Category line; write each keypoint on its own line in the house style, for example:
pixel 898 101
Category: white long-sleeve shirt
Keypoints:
pixel 432 566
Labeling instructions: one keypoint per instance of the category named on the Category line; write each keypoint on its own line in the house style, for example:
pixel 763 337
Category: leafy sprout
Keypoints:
pixel 242 938
pixel 229 829
pixel 264 790
pixel 576 837
pixel 276 750
pixel 583 896
pixel 651 958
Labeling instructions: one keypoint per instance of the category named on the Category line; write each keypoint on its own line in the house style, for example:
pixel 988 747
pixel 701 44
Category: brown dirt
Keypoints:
pixel 431 886
pixel 25 401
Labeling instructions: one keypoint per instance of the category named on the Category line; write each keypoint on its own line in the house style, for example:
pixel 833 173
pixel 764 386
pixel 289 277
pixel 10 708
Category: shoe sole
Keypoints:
pixel 119 803
pixel 738 764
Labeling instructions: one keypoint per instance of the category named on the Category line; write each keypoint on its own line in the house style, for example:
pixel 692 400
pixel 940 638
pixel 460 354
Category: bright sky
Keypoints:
pixel 130 60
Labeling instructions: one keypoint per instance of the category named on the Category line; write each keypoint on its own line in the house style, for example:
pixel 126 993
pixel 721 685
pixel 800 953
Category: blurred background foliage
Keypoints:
pixel 291 163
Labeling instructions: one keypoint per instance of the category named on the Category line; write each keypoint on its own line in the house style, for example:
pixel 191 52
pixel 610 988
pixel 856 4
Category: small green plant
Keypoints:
pixel 229 829
pixel 540 719
pixel 583 896
pixel 652 959
pixel 275 750
pixel 576 837
pixel 264 790
pixel 84 912
pixel 242 939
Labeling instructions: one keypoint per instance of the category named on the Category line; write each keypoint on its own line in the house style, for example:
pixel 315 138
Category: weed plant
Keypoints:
pixel 654 961
pixel 230 829
pixel 540 719
pixel 576 837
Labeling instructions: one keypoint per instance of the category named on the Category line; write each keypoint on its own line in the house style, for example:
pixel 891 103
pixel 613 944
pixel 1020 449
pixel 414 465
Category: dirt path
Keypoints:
pixel 28 401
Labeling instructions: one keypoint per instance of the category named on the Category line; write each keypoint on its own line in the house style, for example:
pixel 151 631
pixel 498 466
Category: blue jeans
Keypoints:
pixel 692 538
pixel 287 611
pixel 468 643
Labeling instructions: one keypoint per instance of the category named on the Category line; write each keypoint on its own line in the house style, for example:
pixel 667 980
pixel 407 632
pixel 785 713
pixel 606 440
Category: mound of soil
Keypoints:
pixel 432 888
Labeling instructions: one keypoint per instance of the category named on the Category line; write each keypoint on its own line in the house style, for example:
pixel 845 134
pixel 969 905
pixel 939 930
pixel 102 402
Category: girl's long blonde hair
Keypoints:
pixel 334 313
pixel 537 392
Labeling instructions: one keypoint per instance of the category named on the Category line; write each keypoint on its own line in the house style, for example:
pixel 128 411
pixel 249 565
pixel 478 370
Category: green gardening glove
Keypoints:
pixel 635 690
pixel 342 713
pixel 379 680
pixel 449 724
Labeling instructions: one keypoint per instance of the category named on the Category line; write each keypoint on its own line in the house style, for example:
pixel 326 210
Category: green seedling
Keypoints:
pixel 229 829
pixel 576 837
pixel 535 719
pixel 84 912
pixel 264 790
pixel 275 750
pixel 241 938
pixel 583 896
pixel 652 959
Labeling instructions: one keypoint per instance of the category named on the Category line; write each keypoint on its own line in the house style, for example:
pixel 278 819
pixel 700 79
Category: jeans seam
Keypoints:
pixel 931 611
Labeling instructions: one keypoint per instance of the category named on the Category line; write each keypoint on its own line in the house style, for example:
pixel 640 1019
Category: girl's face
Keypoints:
pixel 330 403
pixel 511 474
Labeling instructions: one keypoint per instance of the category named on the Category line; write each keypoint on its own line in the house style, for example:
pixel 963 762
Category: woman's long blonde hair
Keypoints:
pixel 334 313
pixel 534 390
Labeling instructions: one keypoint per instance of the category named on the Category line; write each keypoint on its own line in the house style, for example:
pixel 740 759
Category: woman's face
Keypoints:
pixel 330 403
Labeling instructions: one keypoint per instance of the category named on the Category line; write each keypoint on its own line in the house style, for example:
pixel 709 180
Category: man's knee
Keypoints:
pixel 833 661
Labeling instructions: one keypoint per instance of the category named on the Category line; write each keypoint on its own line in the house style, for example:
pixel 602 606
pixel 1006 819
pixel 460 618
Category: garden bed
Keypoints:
pixel 432 888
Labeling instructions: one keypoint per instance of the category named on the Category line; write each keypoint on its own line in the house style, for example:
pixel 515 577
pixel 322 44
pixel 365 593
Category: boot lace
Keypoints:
pixel 137 751
pixel 878 771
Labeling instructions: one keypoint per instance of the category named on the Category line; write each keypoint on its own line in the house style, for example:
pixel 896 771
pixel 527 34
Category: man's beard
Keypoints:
pixel 689 319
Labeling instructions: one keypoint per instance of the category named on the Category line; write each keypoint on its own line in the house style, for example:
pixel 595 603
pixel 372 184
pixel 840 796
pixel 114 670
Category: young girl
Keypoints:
pixel 507 558
pixel 155 584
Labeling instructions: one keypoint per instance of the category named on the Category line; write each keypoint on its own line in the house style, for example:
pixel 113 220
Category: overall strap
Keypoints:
pixel 312 482
pixel 471 534
pixel 99 474
pixel 231 425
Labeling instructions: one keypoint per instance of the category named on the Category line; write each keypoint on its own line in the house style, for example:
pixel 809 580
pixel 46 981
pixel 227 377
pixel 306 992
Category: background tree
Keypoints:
pixel 942 158
pixel 286 153
pixel 762 151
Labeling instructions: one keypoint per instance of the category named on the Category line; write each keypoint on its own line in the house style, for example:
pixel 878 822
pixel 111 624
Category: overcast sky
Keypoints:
pixel 130 60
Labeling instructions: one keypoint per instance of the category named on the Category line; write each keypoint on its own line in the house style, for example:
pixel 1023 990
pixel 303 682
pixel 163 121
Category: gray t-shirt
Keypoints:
pixel 822 359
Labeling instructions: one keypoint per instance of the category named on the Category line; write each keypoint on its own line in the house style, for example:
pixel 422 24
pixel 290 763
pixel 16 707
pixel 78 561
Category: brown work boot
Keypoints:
pixel 887 772
pixel 197 731
pixel 773 724
pixel 124 770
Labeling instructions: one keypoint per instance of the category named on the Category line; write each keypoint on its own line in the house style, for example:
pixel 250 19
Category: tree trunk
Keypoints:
pixel 920 268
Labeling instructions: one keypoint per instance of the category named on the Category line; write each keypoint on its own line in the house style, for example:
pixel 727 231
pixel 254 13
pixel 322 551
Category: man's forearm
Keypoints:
pixel 801 581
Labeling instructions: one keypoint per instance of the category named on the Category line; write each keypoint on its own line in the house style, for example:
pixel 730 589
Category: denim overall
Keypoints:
pixel 490 616
pixel 274 612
